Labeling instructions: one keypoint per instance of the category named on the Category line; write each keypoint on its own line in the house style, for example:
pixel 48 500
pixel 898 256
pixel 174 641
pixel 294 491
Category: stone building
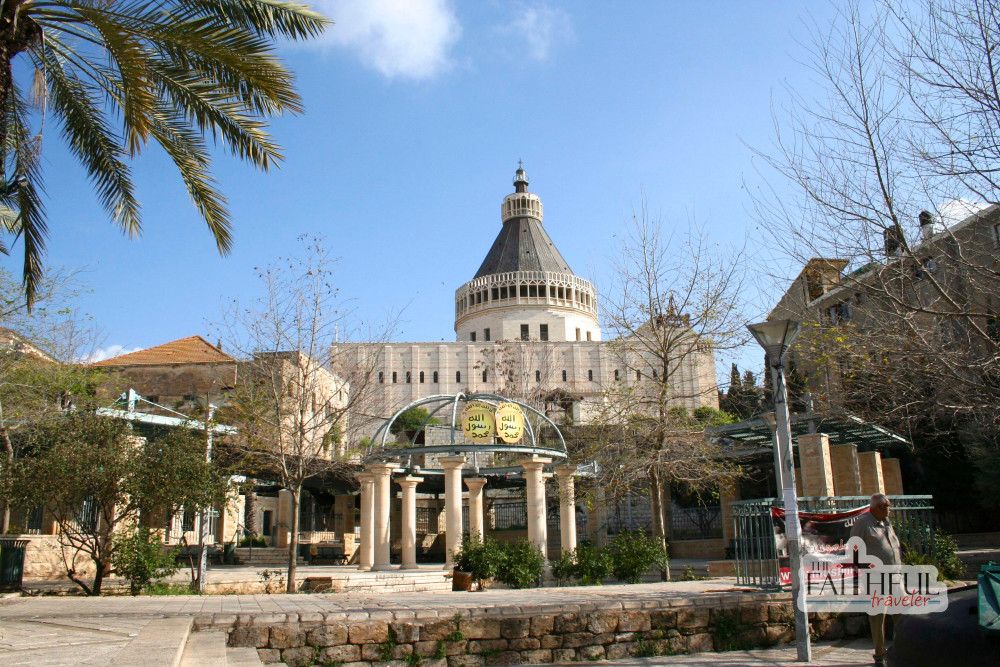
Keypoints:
pixel 526 326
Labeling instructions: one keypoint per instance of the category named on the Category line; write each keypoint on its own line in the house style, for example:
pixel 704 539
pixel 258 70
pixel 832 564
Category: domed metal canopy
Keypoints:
pixel 447 407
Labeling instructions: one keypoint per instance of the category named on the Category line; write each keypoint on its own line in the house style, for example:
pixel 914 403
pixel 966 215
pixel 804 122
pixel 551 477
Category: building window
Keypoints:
pixel 523 291
pixel 525 334
pixel 458 377
pixel 617 375
pixel 381 377
pixel 996 236
pixel 484 376
pixel 421 377
pixel 654 375
pixel 588 335
pixel 590 375
pixel 394 377
pixel 543 332
pixel 472 336
pixel 578 334
pixel 407 377
pixel 434 378
pixel 486 334
pixel 187 521
pixel 564 376
pixel 638 375
pixel 538 376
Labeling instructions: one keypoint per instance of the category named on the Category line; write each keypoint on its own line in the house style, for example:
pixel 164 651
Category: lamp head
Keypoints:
pixel 775 336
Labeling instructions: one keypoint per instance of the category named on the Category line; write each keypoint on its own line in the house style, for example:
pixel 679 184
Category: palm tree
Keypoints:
pixel 118 74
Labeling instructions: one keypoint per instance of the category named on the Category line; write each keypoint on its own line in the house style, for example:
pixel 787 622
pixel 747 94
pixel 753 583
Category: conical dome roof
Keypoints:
pixel 522 245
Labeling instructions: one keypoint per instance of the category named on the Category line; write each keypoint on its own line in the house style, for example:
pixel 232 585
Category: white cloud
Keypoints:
pixel 539 28
pixel 410 39
pixel 957 210
pixel 110 351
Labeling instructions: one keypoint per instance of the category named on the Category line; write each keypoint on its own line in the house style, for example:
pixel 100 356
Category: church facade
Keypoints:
pixel 526 327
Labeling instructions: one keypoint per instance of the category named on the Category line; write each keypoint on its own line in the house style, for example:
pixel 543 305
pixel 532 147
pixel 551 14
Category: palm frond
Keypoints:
pixel 293 20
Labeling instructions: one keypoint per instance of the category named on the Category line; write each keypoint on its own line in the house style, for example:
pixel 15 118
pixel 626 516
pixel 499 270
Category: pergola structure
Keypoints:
pixel 461 460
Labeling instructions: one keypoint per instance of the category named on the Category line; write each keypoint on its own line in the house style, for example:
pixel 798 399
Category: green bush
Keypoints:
pixel 479 558
pixel 519 564
pixel 593 564
pixel 946 556
pixel 632 554
pixel 252 541
pixel 140 558
pixel 564 567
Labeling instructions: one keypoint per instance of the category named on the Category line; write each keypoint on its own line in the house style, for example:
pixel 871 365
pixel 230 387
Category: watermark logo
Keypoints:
pixel 855 581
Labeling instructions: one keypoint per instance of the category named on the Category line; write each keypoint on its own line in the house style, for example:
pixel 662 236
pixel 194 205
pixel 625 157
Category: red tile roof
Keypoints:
pixel 190 350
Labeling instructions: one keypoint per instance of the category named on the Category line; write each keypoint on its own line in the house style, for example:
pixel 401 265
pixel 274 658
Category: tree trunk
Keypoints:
pixel 9 451
pixel 293 540
pixel 250 516
pixel 655 499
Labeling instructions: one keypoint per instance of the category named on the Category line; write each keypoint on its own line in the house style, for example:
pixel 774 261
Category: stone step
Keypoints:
pixel 205 649
pixel 242 657
pixel 159 644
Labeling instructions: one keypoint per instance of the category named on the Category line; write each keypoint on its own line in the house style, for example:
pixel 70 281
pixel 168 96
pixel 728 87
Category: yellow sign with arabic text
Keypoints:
pixel 510 422
pixel 477 421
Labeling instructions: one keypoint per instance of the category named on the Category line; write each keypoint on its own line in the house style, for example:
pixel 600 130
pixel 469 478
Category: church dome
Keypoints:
pixel 524 288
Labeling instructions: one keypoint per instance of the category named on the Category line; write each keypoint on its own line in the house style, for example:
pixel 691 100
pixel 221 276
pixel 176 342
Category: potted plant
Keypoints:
pixel 475 563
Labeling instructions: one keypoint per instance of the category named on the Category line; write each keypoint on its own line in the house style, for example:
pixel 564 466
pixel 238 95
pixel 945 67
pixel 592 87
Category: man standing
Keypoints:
pixel 880 540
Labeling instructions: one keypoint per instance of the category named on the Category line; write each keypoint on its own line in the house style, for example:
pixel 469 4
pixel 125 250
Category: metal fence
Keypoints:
pixel 697 523
pixel 509 516
pixel 757 558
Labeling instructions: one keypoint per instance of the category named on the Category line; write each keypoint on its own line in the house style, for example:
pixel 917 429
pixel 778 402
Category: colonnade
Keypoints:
pixel 376 497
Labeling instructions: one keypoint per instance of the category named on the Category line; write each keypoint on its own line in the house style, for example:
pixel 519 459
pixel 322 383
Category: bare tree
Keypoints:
pixel 296 389
pixel 902 145
pixel 673 302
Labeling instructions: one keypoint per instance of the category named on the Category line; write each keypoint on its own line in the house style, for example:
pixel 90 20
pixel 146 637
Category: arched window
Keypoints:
pixel 458 377
pixel 538 376
pixel 564 376
pixel 381 377
pixel 617 375
pixel 394 377
pixel 484 376
pixel 590 375
pixel 407 377
pixel 421 377
pixel 434 377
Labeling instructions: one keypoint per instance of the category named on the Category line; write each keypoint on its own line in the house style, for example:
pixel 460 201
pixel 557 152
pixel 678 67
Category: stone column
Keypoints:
pixel 817 467
pixel 728 493
pixel 408 536
pixel 846 481
pixel 892 477
pixel 366 550
pixel 567 506
pixel 475 486
pixel 870 469
pixel 452 506
pixel 283 525
pixel 537 527
pixel 383 497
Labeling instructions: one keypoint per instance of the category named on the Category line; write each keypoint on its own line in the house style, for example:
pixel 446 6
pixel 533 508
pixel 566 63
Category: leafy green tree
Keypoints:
pixel 412 420
pixel 96 478
pixel 116 75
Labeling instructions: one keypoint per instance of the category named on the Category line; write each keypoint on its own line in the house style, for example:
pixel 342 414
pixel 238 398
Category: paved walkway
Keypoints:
pixel 53 630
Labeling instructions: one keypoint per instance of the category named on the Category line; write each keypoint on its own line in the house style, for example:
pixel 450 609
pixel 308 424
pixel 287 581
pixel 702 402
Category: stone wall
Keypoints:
pixel 714 624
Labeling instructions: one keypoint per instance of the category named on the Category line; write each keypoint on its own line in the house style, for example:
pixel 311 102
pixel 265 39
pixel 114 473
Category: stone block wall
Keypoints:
pixel 543 637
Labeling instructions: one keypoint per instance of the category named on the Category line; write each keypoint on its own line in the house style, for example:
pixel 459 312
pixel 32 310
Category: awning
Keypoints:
pixel 843 428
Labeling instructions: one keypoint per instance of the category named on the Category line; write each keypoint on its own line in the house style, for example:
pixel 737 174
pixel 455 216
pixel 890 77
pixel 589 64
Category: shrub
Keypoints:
pixel 946 556
pixel 632 554
pixel 593 564
pixel 252 541
pixel 140 558
pixel 564 567
pixel 519 564
pixel 479 558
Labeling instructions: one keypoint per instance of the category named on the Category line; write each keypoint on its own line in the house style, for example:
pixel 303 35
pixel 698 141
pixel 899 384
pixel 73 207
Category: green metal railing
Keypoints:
pixel 756 556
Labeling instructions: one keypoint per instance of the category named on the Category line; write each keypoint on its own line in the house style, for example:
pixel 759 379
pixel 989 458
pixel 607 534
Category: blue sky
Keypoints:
pixel 417 112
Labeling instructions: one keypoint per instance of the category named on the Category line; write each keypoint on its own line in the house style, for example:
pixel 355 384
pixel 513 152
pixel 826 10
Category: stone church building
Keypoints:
pixel 526 327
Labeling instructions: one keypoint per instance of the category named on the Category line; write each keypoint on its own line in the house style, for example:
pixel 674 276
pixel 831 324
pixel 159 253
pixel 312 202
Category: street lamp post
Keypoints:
pixel 776 337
